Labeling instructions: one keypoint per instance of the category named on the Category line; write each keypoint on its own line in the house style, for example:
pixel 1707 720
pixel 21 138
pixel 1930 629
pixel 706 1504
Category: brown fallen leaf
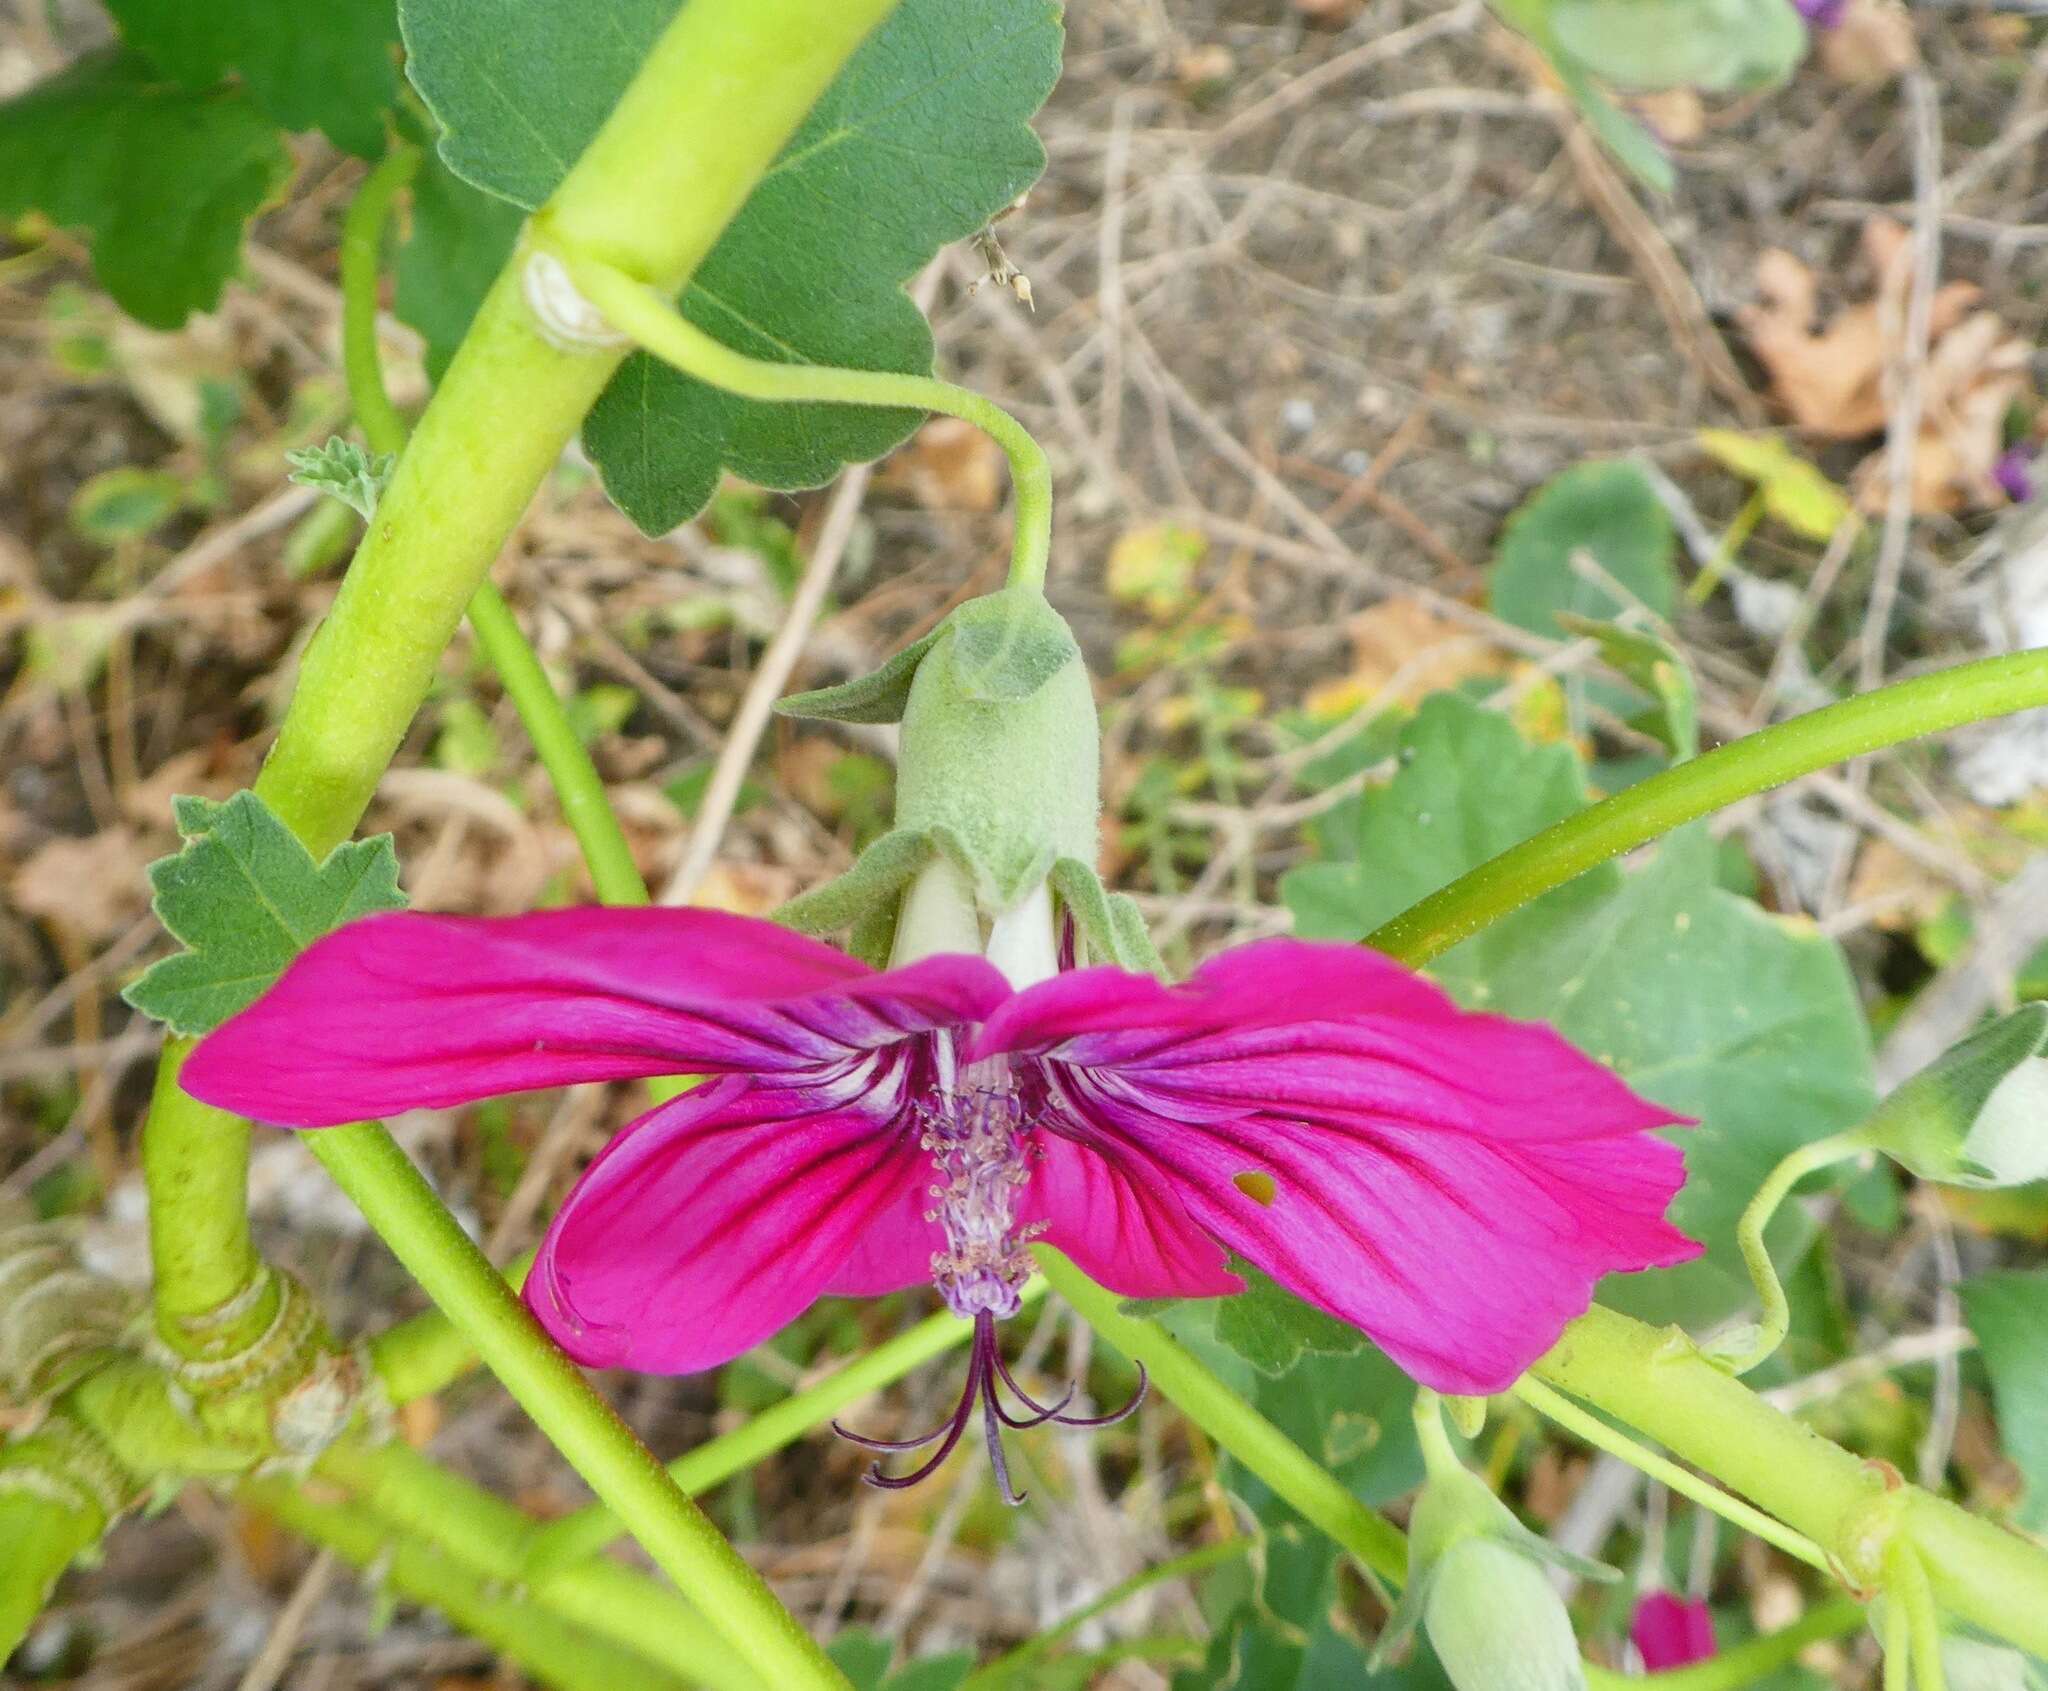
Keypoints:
pixel 1873 42
pixel 94 887
pixel 1834 377
pixel 1402 649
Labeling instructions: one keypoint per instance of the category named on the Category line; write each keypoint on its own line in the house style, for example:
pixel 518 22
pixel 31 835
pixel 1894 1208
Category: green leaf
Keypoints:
pixel 1619 133
pixel 1651 44
pixel 245 897
pixel 862 1657
pixel 329 66
pixel 125 504
pixel 2009 1314
pixel 932 1673
pixel 1594 529
pixel 1697 997
pixel 921 140
pixel 161 180
pixel 1272 1329
pixel 460 240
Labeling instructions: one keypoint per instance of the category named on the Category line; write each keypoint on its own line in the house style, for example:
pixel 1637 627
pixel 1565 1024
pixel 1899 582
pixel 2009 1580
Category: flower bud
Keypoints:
pixel 1497 1623
pixel 1978 1114
pixel 1000 763
pixel 1670 1632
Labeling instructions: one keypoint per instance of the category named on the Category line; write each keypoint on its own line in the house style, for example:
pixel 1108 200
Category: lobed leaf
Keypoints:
pixel 162 180
pixel 922 139
pixel 245 898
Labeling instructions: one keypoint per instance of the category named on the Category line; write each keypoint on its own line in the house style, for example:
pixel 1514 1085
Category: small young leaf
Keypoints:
pixel 162 180
pixel 329 66
pixel 351 474
pixel 1656 666
pixel 862 1657
pixel 245 897
pixel 125 504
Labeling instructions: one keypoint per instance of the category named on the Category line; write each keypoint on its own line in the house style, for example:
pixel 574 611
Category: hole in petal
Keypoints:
pixel 1257 1185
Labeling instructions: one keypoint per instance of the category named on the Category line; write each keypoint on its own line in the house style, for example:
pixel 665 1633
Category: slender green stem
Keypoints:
pixel 1968 693
pixel 489 1537
pixel 553 1649
pixel 578 787
pixel 642 312
pixel 403 1209
pixel 589 1530
pixel 1004 1669
pixel 1743 1351
pixel 1745 1664
pixel 1321 1499
pixel 1898 1648
pixel 1906 1585
pixel 362 263
pixel 1598 1434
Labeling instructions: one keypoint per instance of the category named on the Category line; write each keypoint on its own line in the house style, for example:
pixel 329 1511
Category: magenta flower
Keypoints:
pixel 1452 1184
pixel 1822 14
pixel 1671 1632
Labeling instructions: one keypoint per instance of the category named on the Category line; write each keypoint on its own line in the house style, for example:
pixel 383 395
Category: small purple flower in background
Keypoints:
pixel 1453 1184
pixel 1822 14
pixel 2014 473
pixel 1671 1632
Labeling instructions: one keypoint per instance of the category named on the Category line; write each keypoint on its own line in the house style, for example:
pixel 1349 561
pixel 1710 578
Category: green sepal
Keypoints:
pixel 1008 645
pixel 877 697
pixel 877 876
pixel 1110 923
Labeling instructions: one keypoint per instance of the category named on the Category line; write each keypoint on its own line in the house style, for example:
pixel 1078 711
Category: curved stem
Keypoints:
pixel 640 312
pixel 1968 693
pixel 1600 1436
pixel 1744 1351
pixel 588 1531
pixel 1319 1496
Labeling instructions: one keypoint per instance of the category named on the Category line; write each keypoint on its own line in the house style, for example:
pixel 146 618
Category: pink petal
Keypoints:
pixel 1671 1632
pixel 1452 1184
pixel 1116 1213
pixel 407 1011
pixel 1332 1029
pixel 711 1223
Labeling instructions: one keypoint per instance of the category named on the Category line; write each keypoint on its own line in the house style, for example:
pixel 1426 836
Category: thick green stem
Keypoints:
pixel 636 309
pixel 1659 1383
pixel 489 1537
pixel 1321 1499
pixel 577 784
pixel 1928 705
pixel 42 1535
pixel 1745 1351
pixel 552 1649
pixel 1600 1436
pixel 588 1531
pixel 403 1209
pixel 195 1164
